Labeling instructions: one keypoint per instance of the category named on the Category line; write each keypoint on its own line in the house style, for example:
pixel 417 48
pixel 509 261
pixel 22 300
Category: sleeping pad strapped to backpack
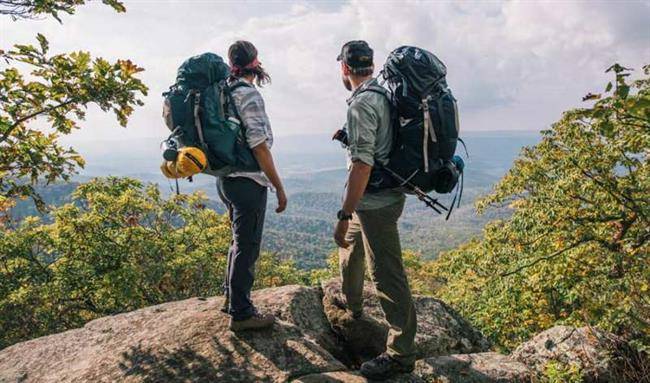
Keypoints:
pixel 425 125
pixel 199 111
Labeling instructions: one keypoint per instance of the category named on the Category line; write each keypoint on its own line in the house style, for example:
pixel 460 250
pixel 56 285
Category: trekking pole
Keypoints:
pixel 422 196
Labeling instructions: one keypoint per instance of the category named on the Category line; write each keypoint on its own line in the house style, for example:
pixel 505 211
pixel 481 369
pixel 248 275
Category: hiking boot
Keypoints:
pixel 256 322
pixel 384 367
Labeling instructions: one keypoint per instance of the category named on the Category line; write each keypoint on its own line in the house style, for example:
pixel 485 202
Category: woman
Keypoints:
pixel 244 193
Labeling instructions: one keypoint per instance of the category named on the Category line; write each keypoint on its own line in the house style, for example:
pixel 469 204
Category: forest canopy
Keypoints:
pixel 576 248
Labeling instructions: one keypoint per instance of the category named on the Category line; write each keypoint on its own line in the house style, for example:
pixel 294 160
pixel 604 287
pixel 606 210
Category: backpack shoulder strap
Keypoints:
pixel 231 107
pixel 238 84
pixel 394 118
pixel 376 89
pixel 229 88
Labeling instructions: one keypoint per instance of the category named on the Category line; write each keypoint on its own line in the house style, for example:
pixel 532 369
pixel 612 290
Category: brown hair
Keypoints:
pixel 243 60
pixel 363 72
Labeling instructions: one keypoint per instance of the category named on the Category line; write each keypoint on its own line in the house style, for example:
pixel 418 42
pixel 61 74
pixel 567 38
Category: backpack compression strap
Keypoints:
pixel 197 118
pixel 428 131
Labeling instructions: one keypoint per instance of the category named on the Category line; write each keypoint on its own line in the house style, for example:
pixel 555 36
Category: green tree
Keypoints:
pixel 28 9
pixel 118 246
pixel 576 248
pixel 57 88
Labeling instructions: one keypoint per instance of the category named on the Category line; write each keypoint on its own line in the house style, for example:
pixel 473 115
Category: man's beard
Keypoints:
pixel 346 83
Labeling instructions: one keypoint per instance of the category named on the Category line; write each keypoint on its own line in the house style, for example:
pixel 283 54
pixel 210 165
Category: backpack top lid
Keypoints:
pixel 202 70
pixel 420 69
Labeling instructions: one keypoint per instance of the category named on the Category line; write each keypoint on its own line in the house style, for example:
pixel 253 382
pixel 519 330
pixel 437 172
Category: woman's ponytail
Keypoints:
pixel 243 62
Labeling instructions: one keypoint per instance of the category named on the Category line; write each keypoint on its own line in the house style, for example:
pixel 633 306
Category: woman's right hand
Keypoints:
pixel 282 201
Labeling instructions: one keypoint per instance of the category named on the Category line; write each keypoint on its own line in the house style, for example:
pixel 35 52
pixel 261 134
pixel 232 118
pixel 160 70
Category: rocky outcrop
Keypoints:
pixel 484 367
pixel 314 341
pixel 352 377
pixel 600 356
pixel 488 367
pixel 441 330
pixel 303 307
pixel 179 341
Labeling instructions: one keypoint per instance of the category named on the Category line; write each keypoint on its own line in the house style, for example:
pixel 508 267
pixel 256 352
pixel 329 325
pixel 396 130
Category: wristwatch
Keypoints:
pixel 342 216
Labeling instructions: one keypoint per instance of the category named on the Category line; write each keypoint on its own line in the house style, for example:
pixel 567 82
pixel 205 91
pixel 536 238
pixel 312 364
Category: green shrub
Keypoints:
pixel 575 250
pixel 117 247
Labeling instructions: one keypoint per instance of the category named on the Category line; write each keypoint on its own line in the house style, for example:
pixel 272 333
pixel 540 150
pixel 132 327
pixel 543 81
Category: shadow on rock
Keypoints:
pixel 297 356
pixel 487 367
pixel 174 366
pixel 354 377
pixel 303 307
pixel 362 338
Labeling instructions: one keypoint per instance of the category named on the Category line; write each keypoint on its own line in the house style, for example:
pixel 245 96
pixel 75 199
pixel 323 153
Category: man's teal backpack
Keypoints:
pixel 199 111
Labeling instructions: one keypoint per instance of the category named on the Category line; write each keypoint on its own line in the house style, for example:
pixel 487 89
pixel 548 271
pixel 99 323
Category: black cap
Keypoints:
pixel 356 54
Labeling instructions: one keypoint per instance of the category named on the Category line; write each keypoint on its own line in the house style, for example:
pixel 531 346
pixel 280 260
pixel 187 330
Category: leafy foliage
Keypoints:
pixel 25 9
pixel 576 248
pixel 58 88
pixel 116 247
pixel 556 372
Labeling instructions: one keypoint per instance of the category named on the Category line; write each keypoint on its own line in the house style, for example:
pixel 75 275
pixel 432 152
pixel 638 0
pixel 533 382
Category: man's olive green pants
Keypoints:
pixel 374 233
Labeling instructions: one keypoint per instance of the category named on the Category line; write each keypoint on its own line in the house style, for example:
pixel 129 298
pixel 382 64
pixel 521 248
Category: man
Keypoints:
pixel 368 221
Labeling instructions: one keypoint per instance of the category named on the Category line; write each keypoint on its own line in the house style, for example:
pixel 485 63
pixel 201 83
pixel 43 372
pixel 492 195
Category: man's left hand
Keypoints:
pixel 340 231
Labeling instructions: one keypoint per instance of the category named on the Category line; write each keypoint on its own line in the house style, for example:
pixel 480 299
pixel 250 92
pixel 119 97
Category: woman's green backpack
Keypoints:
pixel 199 111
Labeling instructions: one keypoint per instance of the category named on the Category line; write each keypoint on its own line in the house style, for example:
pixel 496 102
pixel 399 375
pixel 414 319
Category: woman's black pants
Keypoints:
pixel 246 203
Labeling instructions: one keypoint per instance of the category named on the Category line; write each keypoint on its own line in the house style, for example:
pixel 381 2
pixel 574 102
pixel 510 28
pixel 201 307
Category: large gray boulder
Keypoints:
pixel 314 341
pixel 301 306
pixel 441 330
pixel 353 377
pixel 487 367
pixel 600 356
pixel 179 341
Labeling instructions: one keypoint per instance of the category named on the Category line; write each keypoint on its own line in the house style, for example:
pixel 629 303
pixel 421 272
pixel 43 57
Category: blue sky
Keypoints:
pixel 513 65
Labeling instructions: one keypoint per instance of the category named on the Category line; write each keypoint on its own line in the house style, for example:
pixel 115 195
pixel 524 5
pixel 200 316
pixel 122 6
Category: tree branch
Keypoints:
pixel 621 198
pixel 546 258
pixel 6 134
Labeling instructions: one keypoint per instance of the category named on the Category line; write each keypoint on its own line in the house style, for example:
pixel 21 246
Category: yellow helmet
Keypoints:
pixel 190 161
pixel 168 169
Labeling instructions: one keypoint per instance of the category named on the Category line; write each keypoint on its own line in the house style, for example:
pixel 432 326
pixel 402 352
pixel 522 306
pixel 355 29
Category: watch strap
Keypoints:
pixel 342 216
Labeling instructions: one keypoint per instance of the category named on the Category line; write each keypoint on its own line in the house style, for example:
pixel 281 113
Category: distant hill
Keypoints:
pixel 313 168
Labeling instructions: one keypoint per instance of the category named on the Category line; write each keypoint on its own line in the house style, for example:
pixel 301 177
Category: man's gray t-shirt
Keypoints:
pixel 370 139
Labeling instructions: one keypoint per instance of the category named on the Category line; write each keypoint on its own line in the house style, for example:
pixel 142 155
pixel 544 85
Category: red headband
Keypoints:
pixel 239 70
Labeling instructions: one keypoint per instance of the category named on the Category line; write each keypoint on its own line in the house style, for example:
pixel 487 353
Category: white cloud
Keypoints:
pixel 512 65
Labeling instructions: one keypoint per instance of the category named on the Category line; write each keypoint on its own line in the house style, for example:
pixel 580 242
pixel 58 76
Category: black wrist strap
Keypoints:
pixel 342 216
